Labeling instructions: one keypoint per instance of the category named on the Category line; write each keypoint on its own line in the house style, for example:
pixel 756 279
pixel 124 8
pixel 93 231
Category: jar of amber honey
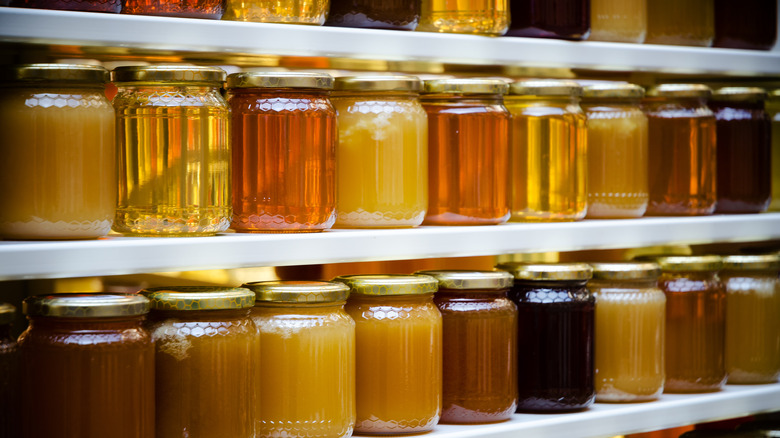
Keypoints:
pixel 620 21
pixel 382 153
pixel 284 151
pixel 88 363
pixel 773 109
pixel 617 150
pixel 278 11
pixel 306 362
pixel 681 23
pixel 630 328
pixel 9 375
pixel 481 17
pixel 744 147
pixel 555 360
pixel 174 151
pixel 695 323
pixel 564 19
pixel 399 352
pixel 175 8
pixel 752 318
pixel 54 187
pixel 548 165
pixel 682 158
pixel 468 150
pixel 205 353
pixel 377 14
pixel 480 345
pixel 748 24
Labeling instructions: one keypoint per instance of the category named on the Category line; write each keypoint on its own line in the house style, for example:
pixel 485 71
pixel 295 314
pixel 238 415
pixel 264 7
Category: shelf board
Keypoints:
pixel 145 33
pixel 128 255
pixel 604 420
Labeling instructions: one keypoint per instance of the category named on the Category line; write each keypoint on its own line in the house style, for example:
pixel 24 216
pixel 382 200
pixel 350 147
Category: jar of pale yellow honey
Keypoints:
pixel 58 172
pixel 278 11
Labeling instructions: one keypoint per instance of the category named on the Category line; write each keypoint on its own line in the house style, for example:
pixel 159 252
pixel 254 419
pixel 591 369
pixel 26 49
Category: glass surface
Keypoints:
pixel 174 161
pixel 468 167
pixel 278 11
pixel 381 160
pixel 9 385
pixel 399 363
pixel 681 23
pixel 377 14
pixel 284 160
pixel 621 21
pixel 566 19
pixel 482 17
pixel 71 5
pixel 175 8
pixel 745 24
pixel 58 172
pixel 773 108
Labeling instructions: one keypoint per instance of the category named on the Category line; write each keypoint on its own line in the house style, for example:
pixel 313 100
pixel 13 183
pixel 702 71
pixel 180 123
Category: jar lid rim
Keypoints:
pixel 86 305
pixel 197 298
pixel 64 73
pixel 530 271
pixel 470 279
pixel 389 284
pixel 289 291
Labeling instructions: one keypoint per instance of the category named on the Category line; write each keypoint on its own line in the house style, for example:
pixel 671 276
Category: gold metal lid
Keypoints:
pixel 625 271
pixel 739 94
pixel 378 83
pixel 774 94
pixel 387 284
pixel 465 86
pixel 63 73
pixel 298 291
pixel 767 262
pixel 280 79
pixel 463 279
pixel 548 271
pixel 168 73
pixel 191 298
pixel 7 313
pixel 545 87
pixel 86 305
pixel 697 91
pixel 688 263
pixel 613 91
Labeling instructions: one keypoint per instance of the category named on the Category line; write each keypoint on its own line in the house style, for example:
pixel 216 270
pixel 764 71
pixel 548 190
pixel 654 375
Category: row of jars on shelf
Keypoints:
pixel 375 153
pixel 748 24
pixel 383 354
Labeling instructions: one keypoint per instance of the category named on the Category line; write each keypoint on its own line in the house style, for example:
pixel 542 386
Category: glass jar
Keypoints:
pixel 377 14
pixel 278 11
pixel 752 318
pixel 620 21
pixel 630 326
pixel 54 187
pixel 682 158
pixel 681 23
pixel 548 165
pixel 695 323
pixel 112 6
pixel 205 352
pixel 88 364
pixel 175 8
pixel 399 352
pixel 468 150
pixel 563 19
pixel 617 151
pixel 773 109
pixel 382 153
pixel 9 376
pixel 174 151
pixel 748 24
pixel 306 383
pixel 555 336
pixel 284 152
pixel 744 147
pixel 480 346
pixel 480 17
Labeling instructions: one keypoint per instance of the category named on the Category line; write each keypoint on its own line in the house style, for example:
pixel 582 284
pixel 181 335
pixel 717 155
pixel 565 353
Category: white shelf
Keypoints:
pixel 146 33
pixel 123 255
pixel 603 420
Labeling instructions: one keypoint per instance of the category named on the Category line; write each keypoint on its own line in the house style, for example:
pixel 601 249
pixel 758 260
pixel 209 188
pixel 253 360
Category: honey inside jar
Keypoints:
pixel 682 23
pixel 622 21
pixel 272 11
pixel 481 17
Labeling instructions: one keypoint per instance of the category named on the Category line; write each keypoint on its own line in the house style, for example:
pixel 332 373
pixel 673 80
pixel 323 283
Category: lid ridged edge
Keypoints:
pixel 767 262
pixel 320 81
pixel 548 271
pixel 86 305
pixel 387 284
pixel 466 280
pixel 400 83
pixel 196 298
pixel 168 73
pixel 626 271
pixel 301 292
pixel 59 73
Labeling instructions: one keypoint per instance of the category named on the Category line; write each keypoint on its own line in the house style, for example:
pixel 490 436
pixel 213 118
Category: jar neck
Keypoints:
pixel 369 95
pixel 299 305
pixel 157 315
pixel 143 86
pixel 114 323
pixel 743 105
pixel 471 294
pixel 548 100
pixel 623 284
pixel 615 102
pixel 93 88
pixel 685 102
pixel 556 284
pixel 277 92
pixel 389 300
pixel 690 275
pixel 484 99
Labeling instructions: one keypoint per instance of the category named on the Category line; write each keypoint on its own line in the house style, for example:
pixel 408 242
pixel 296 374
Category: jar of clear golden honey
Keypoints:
pixel 88 363
pixel 306 383
pixel 468 150
pixel 9 375
pixel 398 352
pixel 205 354
pixel 58 172
pixel 174 151
pixel 278 11
pixel 617 150
pixel 752 318
pixel 283 135
pixel 481 17
pixel 630 329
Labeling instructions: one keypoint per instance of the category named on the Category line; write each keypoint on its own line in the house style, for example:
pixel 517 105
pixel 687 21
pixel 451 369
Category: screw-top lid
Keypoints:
pixel 86 305
pixel 774 94
pixel 768 262
pixel 169 73
pixel 378 83
pixel 688 263
pixel 62 73
pixel 190 298
pixel 697 91
pixel 462 279
pixel 625 271
pixel 545 87
pixel 739 94
pixel 298 291
pixel 280 79
pixel 465 86
pixel 389 284
pixel 613 91
pixel 7 313
pixel 548 271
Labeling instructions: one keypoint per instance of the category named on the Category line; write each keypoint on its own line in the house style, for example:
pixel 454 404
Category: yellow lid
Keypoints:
pixel 7 313
pixel 545 87
pixel 625 271
pixel 169 73
pixel 689 263
pixel 614 90
pixel 768 262
pixel 378 83
pixel 280 79
pixel 743 94
pixel 190 298
pixel 697 91
pixel 465 86
pixel 389 284
pixel 86 305
pixel 463 279
pixel 298 291
pixel 63 73
pixel 548 271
